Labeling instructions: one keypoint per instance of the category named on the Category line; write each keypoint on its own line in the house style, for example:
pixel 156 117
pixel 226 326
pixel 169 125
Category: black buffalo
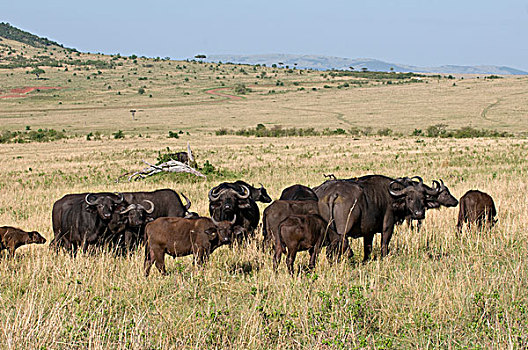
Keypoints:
pixel 298 193
pixel 81 228
pixel 478 208
pixel 80 220
pixel 125 229
pixel 362 207
pixel 442 197
pixel 237 199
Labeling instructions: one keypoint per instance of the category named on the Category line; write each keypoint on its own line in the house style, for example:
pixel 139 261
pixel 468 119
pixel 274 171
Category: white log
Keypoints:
pixel 172 166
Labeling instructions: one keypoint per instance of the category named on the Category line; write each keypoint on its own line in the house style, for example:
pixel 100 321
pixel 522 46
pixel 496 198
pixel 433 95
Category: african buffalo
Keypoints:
pixel 362 207
pixel 166 202
pixel 442 198
pixel 127 223
pixel 238 199
pixel 476 207
pixel 11 238
pixel 302 232
pixel 298 193
pixel 81 219
pixel 279 210
pixel 180 237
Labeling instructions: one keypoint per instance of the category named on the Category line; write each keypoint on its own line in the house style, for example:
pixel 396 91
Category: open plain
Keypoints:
pixel 436 289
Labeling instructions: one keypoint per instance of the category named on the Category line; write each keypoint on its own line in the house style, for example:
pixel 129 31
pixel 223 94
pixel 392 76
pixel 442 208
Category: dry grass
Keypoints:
pixel 95 99
pixel 435 290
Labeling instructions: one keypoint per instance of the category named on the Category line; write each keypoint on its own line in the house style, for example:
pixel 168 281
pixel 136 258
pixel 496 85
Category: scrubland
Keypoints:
pixel 436 289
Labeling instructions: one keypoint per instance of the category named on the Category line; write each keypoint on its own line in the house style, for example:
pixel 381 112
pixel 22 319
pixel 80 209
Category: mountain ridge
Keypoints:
pixel 321 62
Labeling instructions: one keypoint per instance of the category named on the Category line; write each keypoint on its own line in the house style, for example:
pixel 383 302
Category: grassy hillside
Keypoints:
pixel 97 93
pixel 436 289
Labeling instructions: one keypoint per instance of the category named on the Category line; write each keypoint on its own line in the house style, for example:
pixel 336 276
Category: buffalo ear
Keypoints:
pixel 398 204
pixel 244 204
pixel 211 232
pixel 432 205
pixel 214 205
pixel 239 230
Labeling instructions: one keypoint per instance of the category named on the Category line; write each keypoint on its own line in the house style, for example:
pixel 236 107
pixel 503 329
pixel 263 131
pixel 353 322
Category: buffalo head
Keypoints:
pixel 104 204
pixel 444 197
pixel 222 229
pixel 136 214
pixel 225 202
pixel 260 194
pixel 412 197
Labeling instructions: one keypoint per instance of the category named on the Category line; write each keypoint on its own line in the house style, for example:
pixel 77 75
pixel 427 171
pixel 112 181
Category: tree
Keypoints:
pixel 37 71
pixel 364 69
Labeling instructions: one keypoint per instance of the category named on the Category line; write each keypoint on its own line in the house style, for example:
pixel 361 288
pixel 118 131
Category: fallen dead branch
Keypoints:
pixel 172 166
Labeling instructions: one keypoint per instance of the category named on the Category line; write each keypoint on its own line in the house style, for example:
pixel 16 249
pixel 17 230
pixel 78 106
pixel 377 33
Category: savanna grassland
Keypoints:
pixel 436 289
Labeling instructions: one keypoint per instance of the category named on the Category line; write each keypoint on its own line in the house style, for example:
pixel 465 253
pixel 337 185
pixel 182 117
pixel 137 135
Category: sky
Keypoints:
pixel 413 32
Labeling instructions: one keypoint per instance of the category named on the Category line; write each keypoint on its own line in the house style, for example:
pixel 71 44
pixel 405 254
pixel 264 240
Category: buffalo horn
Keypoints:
pixel 213 195
pixel 127 209
pixel 87 199
pixel 214 221
pixel 245 191
pixel 420 180
pixel 120 198
pixel 188 205
pixel 396 193
pixel 233 221
pixel 151 209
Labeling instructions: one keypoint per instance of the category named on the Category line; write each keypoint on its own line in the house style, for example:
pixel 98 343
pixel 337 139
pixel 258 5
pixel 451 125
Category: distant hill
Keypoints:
pixel 12 33
pixel 329 62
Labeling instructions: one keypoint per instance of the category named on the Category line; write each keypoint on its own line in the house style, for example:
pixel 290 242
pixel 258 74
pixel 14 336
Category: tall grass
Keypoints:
pixel 434 290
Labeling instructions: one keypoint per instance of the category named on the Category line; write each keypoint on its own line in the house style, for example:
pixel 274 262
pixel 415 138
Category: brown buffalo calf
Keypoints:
pixel 180 236
pixel 11 238
pixel 302 232
pixel 476 207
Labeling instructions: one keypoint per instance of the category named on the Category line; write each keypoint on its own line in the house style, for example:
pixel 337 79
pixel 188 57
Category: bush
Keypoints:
pixel 40 135
pixel 437 130
pixel 241 89
pixel 119 134
pixel 141 91
pixel 384 132
pixel 173 135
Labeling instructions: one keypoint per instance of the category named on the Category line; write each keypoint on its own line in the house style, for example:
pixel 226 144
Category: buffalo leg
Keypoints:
pixel 277 256
pixel 159 260
pixel 313 257
pixel 201 256
pixel 148 263
pixel 290 260
pixel 367 246
pixel 386 235
pixel 461 217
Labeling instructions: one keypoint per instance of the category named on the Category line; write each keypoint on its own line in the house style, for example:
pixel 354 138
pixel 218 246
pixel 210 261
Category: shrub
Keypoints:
pixel 173 135
pixel 40 135
pixel 241 89
pixel 384 132
pixel 119 134
pixel 437 130
pixel 141 91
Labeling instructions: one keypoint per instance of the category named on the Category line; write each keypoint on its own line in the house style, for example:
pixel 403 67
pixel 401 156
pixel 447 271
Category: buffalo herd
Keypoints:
pixel 303 218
